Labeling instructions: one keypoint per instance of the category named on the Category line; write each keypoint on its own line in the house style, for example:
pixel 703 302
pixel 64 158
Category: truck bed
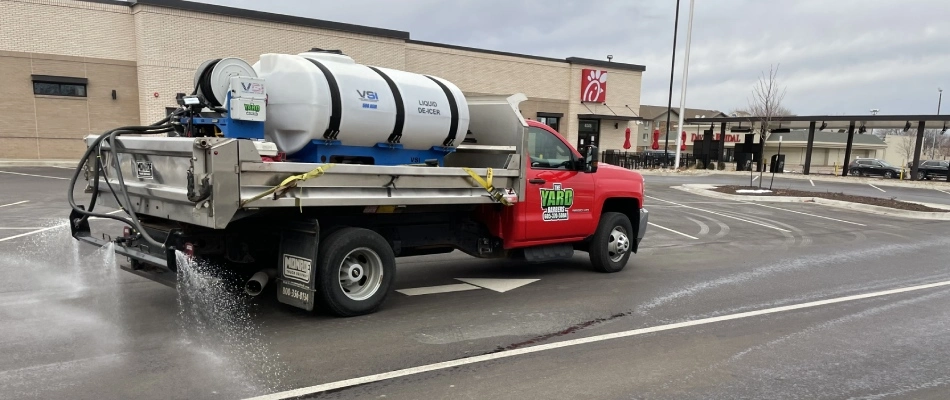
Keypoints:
pixel 229 179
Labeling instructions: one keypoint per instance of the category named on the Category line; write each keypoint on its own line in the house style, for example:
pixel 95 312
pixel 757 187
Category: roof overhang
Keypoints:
pixel 610 117
pixel 832 121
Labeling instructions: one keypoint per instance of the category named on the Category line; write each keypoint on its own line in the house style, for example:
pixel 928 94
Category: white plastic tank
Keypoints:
pixel 326 95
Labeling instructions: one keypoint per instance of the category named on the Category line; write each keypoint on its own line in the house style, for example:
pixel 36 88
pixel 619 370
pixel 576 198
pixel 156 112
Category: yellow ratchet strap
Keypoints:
pixel 289 183
pixel 487 185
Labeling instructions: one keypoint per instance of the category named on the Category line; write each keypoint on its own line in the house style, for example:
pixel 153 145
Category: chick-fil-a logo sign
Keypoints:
pixel 593 85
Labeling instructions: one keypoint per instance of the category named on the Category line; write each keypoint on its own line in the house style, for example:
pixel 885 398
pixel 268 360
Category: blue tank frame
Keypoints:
pixel 322 151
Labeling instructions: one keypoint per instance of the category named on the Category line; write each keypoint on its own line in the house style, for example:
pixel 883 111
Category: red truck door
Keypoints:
pixel 559 197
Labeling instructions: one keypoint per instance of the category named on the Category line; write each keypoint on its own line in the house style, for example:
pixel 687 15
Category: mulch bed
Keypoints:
pixel 874 201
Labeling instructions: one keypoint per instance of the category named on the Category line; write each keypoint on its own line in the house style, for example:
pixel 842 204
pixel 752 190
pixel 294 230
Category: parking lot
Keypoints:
pixel 724 300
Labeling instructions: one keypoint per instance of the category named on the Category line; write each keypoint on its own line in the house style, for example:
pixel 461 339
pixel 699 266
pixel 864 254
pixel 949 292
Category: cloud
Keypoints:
pixel 836 57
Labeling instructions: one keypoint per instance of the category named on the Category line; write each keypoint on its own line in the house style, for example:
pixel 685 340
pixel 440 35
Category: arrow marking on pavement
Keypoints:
pixel 437 289
pixel 498 285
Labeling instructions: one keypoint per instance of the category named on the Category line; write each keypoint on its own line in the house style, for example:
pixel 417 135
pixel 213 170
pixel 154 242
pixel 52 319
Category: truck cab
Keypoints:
pixel 572 202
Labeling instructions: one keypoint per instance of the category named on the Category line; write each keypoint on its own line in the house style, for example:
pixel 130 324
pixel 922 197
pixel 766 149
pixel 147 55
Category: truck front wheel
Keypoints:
pixel 357 269
pixel 611 244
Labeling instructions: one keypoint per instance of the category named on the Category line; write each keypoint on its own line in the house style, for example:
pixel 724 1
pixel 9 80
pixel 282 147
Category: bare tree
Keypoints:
pixel 906 141
pixel 765 105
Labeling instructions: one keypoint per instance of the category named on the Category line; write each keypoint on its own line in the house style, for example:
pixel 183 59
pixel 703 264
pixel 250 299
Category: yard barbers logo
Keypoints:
pixel 555 203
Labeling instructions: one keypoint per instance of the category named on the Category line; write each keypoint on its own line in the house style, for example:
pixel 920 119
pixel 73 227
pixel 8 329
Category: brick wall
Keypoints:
pixel 140 52
pixel 167 64
pixel 64 27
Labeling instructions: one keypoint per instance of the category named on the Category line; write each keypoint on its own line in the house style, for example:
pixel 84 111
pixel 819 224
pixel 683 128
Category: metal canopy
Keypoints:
pixel 847 123
pixel 833 121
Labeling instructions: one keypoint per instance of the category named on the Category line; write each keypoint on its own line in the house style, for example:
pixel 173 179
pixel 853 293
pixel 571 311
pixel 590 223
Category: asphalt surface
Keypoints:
pixel 75 327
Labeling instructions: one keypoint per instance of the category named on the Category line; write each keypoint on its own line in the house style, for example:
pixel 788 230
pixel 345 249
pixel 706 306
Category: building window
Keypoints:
pixel 551 119
pixel 46 85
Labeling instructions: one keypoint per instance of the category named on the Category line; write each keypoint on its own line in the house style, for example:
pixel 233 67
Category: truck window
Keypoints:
pixel 546 151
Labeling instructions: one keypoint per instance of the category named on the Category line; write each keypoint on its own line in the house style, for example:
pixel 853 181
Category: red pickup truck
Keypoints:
pixel 330 234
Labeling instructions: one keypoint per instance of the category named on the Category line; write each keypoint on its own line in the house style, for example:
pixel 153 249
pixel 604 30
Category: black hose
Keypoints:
pixel 157 127
pixel 125 193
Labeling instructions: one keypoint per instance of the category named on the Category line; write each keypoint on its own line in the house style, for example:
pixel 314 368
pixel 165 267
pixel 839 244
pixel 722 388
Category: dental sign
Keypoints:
pixel 593 85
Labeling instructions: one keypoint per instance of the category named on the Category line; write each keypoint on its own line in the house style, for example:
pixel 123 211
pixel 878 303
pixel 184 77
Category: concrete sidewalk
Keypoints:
pixel 6 163
pixel 941 185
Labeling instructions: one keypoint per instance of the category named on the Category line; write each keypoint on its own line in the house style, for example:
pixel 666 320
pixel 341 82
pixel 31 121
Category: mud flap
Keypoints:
pixel 641 228
pixel 296 283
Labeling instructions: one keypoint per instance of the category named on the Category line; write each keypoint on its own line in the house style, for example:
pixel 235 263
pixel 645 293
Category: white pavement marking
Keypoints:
pixel 810 215
pixel 32 232
pixel 724 215
pixel 45 229
pixel 812 182
pixel 871 185
pixel 576 342
pixel 676 232
pixel 498 285
pixel 437 289
pixel 754 178
pixel 944 191
pixel 13 204
pixel 19 229
pixel 38 176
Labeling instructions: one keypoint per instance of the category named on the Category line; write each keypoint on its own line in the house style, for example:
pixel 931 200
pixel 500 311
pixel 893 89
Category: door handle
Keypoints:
pixel 537 181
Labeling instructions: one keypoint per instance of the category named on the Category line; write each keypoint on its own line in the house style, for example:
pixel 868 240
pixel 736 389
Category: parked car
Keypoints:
pixel 932 168
pixel 873 167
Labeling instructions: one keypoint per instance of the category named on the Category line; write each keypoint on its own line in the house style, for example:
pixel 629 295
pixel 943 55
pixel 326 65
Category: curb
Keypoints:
pixel 813 176
pixel 38 163
pixel 703 190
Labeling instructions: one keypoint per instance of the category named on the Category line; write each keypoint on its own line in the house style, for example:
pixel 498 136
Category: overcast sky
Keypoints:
pixel 836 56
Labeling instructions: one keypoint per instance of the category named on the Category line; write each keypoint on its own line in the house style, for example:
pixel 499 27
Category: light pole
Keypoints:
pixel 689 36
pixel 933 146
pixel 669 103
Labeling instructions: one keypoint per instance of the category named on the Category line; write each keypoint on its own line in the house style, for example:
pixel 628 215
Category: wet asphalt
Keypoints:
pixel 75 327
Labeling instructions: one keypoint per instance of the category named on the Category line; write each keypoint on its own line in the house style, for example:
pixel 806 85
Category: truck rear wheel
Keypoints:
pixel 610 247
pixel 357 269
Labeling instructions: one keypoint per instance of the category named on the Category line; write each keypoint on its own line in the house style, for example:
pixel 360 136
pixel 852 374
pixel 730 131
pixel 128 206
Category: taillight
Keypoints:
pixel 189 249
pixel 127 231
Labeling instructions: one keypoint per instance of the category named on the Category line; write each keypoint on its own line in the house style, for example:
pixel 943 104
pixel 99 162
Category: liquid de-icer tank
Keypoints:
pixel 324 107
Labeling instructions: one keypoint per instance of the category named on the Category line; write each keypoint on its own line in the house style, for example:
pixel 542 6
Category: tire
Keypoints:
pixel 888 174
pixel 370 265
pixel 921 176
pixel 613 230
pixel 854 172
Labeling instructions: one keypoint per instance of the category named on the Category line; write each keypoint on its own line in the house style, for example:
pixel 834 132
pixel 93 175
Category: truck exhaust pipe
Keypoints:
pixel 255 285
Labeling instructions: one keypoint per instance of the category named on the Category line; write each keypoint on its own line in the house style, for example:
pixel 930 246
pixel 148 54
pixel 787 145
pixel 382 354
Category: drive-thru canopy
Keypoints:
pixel 835 123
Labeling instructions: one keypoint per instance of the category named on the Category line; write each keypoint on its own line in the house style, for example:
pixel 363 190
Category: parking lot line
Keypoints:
pixel 810 215
pixel 812 182
pixel 363 380
pixel 32 232
pixel 13 204
pixel 20 229
pixel 872 185
pixel 676 232
pixel 943 191
pixel 45 229
pixel 724 215
pixel 38 176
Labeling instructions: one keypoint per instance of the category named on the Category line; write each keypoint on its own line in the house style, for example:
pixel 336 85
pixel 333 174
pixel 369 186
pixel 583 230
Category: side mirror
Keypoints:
pixel 591 158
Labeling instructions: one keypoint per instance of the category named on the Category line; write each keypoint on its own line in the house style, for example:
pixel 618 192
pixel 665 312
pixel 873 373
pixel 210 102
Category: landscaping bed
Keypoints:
pixel 874 201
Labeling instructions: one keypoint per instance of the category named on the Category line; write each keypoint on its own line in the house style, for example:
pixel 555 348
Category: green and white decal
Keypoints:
pixel 555 203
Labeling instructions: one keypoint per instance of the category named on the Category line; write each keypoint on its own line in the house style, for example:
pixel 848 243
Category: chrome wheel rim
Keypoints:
pixel 618 244
pixel 361 274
